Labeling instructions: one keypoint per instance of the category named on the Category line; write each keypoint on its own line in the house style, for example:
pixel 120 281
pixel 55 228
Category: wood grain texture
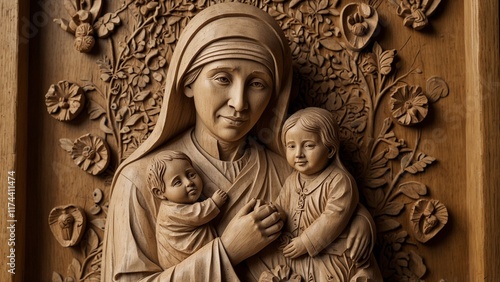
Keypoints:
pixel 13 62
pixel 481 28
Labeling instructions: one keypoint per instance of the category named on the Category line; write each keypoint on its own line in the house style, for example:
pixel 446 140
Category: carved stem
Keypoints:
pixel 388 196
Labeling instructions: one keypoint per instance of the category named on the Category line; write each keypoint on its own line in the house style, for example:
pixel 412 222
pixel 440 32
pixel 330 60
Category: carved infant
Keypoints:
pixel 182 223
pixel 319 199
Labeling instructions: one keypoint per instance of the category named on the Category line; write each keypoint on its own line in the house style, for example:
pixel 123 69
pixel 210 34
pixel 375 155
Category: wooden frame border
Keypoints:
pixel 482 62
pixel 13 131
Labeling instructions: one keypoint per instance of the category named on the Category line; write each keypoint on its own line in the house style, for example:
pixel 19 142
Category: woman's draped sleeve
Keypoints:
pixel 130 251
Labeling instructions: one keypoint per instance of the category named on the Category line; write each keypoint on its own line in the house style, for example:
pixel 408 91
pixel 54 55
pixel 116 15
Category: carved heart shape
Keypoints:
pixel 67 224
pixel 359 22
pixel 427 218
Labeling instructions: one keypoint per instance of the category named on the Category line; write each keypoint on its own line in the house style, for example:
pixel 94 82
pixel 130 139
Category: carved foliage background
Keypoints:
pixel 359 85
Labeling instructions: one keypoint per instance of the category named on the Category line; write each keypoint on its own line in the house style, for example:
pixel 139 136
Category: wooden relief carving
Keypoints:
pixel 67 224
pixel 65 100
pixel 90 153
pixel 415 13
pixel 339 66
pixel 428 217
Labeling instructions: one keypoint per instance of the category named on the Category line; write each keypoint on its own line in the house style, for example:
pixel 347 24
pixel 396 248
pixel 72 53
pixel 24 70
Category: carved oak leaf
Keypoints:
pixel 408 105
pixel 65 100
pixel 91 154
pixel 427 218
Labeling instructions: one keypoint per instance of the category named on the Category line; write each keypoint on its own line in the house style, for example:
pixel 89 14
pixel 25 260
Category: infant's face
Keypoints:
pixel 182 184
pixel 305 152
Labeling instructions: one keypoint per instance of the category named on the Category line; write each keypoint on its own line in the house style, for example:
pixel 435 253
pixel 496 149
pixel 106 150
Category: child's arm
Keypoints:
pixel 219 197
pixel 342 202
pixel 195 214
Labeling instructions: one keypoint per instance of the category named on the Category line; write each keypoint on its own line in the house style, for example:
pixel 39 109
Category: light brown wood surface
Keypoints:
pixel 461 45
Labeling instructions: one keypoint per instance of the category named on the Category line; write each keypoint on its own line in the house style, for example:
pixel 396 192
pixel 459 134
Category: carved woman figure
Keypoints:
pixel 226 96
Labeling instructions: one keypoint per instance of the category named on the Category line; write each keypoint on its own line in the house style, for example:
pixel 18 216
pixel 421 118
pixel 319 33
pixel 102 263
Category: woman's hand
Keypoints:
pixel 295 249
pixel 358 239
pixel 254 227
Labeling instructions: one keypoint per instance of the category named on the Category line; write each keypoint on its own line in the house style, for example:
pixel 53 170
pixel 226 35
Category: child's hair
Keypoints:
pixel 315 120
pixel 158 166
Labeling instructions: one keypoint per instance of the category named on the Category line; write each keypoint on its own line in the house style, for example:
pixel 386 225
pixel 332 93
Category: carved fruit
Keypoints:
pixel 359 22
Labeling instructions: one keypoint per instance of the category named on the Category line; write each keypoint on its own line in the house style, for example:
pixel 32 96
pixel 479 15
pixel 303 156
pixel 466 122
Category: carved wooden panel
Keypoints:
pixel 388 70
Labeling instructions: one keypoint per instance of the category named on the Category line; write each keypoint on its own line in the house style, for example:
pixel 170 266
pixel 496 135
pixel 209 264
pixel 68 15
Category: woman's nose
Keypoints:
pixel 237 97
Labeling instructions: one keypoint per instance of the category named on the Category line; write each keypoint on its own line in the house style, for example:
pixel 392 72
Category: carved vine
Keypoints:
pixel 352 76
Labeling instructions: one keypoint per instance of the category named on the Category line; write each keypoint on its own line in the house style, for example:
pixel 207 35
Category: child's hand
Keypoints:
pixel 295 249
pixel 219 197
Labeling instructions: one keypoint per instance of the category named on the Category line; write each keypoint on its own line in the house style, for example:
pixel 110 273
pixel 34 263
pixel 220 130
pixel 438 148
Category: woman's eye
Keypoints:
pixel 222 80
pixel 257 84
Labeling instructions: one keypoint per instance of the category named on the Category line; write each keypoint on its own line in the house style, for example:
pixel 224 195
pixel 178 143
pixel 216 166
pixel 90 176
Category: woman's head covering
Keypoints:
pixel 224 31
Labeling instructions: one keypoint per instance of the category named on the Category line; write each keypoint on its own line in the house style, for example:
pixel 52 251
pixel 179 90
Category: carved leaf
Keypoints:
pixel 413 189
pixel 392 208
pixel 385 58
pixel 386 224
pixel 90 242
pixel 105 68
pixel 374 197
pixel 421 163
pixel 56 277
pixel 331 44
pixel 416 264
pixel 73 269
pixel 95 110
pixel 99 223
pixel 66 144
pixel 436 88
pixel 141 95
pixel 405 161
pixel 133 119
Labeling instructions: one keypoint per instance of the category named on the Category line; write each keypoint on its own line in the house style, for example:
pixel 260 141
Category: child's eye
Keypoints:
pixel 290 146
pixel 309 146
pixel 176 183
pixel 192 175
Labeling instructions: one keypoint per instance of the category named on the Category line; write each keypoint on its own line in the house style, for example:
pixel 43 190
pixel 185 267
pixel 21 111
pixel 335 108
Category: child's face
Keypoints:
pixel 305 152
pixel 182 184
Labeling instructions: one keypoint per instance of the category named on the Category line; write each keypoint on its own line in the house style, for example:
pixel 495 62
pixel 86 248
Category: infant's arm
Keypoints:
pixel 219 197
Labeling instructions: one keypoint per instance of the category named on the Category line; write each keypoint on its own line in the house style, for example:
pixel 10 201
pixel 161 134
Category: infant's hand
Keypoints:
pixel 295 249
pixel 219 197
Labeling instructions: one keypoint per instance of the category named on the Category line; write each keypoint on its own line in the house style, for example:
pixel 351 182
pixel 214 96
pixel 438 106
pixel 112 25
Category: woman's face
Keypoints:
pixel 230 96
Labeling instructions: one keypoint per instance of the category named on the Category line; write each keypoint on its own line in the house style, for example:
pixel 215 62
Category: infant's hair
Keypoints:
pixel 158 166
pixel 315 120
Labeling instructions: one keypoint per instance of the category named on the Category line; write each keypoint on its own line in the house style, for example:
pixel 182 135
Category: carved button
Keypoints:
pixel 97 195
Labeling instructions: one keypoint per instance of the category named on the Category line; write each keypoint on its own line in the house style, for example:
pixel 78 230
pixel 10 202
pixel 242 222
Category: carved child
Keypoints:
pixel 319 199
pixel 182 223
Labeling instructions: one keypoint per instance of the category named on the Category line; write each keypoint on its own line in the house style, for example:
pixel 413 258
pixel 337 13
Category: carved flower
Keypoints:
pixel 368 63
pixel 279 274
pixel 409 105
pixel 428 217
pixel 84 38
pixel 415 12
pixel 91 154
pixel 106 24
pixel 318 10
pixel 64 100
pixel 139 76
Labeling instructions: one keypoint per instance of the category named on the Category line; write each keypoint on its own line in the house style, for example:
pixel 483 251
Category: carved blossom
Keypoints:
pixel 67 224
pixel 91 154
pixel 409 105
pixel 106 24
pixel 280 273
pixel 427 218
pixel 359 22
pixel 415 12
pixel 65 100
